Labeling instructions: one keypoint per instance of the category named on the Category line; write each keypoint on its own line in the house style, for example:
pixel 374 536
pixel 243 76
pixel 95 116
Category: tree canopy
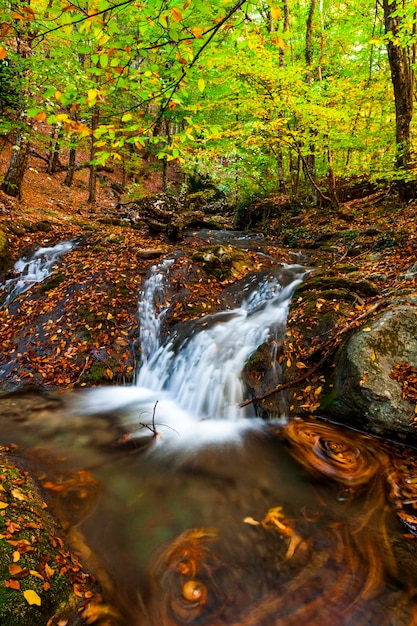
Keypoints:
pixel 266 97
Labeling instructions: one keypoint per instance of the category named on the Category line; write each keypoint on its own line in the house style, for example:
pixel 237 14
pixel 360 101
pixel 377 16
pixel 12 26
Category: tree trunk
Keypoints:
pixel 92 179
pixel 310 161
pixel 71 167
pixel 402 77
pixel 279 152
pixel 53 156
pixel 12 183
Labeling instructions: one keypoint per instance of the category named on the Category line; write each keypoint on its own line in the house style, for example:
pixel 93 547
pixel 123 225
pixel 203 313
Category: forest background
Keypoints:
pixel 293 97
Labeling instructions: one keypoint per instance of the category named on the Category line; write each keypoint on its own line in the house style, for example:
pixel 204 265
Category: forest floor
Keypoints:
pixel 373 237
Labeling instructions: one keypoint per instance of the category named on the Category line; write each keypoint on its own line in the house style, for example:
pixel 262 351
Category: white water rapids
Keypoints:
pixel 188 390
pixel 34 269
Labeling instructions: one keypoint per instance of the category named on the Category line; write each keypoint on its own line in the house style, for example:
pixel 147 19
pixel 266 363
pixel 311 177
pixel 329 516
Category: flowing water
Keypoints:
pixel 188 389
pixel 34 269
pixel 218 519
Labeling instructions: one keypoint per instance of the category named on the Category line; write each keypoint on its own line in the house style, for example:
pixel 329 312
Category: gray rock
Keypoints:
pixel 410 273
pixel 363 393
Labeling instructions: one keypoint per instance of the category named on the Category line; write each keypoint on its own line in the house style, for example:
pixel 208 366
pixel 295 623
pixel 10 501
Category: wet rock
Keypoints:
pixel 364 393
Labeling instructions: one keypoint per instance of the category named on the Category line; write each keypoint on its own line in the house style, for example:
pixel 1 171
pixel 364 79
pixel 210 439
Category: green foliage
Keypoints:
pixel 223 88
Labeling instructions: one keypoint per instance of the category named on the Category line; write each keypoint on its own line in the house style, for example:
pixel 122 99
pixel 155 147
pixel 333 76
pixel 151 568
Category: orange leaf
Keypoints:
pixel 3 53
pixel 176 14
pixel 12 584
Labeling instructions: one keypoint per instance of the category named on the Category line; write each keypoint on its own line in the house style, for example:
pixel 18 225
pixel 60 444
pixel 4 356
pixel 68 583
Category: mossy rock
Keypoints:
pixel 330 283
pixel 42 580
pixel 53 282
pixel 5 256
pixel 219 261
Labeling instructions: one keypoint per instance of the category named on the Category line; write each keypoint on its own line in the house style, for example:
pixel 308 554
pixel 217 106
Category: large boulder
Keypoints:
pixel 370 386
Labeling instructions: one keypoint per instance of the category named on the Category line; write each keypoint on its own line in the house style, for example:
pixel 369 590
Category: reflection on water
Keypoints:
pixel 307 524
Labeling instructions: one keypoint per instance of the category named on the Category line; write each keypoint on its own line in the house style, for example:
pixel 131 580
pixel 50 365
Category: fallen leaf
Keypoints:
pixel 32 597
pixel 12 584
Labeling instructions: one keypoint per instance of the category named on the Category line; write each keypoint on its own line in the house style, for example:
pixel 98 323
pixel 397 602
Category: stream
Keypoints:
pixel 194 511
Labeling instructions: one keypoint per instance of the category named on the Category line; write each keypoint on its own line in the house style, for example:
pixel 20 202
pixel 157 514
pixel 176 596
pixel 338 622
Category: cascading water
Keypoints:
pixel 34 269
pixel 188 391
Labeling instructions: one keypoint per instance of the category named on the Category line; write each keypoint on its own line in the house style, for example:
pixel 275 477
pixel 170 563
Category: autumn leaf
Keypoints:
pixel 176 14
pixel 32 597
pixel 3 53
pixel 12 584
pixel 16 493
pixel 275 13
pixel 14 569
pixel 3 505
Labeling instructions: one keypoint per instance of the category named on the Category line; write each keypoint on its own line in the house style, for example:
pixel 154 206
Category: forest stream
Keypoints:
pixel 190 509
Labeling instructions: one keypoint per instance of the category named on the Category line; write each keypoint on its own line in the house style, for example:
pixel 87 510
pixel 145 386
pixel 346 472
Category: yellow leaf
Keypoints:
pixel 3 53
pixel 36 574
pixel 16 493
pixel 3 505
pixel 288 362
pixel 16 556
pixel 186 5
pixel 197 33
pixel 92 95
pixel 275 13
pixel 58 94
pixel 201 85
pixel 318 391
pixel 373 356
pixel 32 597
pixel 176 14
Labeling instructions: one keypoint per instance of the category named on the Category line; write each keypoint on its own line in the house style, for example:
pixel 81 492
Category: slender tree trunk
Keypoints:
pixel 92 179
pixel 402 77
pixel 310 158
pixel 71 166
pixel 53 156
pixel 279 152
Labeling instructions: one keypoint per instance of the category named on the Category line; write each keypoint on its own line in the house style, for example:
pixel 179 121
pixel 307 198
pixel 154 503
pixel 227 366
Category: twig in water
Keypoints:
pixel 152 427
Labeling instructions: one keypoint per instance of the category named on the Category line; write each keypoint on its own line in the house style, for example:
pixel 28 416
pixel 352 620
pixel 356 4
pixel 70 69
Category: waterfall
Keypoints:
pixel 187 391
pixel 152 308
pixel 34 269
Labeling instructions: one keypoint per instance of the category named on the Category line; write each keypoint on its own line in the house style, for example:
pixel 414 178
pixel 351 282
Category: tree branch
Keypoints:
pixel 334 341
